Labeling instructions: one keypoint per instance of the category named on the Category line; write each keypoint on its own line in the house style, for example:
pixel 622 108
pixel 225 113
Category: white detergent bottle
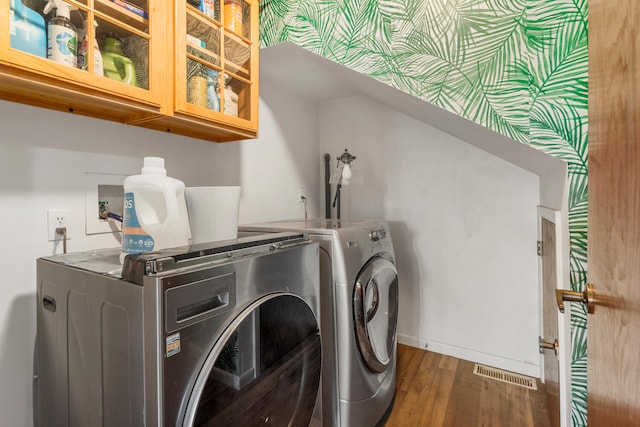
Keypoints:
pixel 155 211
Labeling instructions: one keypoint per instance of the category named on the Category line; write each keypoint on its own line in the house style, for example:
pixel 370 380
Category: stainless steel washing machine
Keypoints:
pixel 223 334
pixel 359 312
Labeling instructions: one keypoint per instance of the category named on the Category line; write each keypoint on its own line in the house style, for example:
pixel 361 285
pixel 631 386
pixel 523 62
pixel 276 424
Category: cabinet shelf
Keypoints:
pixel 20 86
pixel 119 13
pixel 235 69
pixel 109 25
pixel 237 37
pixel 201 16
pixel 204 52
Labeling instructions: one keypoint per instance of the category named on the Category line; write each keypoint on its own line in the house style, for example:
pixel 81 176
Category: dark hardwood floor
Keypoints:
pixel 436 390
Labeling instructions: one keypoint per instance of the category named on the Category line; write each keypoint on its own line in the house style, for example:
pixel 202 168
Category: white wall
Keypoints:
pixel 43 158
pixel 464 222
pixel 464 228
pixel 283 159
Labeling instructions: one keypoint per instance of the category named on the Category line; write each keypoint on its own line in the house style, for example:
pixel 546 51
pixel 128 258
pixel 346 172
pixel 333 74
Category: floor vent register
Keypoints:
pixel 505 376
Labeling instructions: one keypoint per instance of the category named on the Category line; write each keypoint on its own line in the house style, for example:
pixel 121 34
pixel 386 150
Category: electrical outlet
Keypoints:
pixel 57 218
pixel 302 193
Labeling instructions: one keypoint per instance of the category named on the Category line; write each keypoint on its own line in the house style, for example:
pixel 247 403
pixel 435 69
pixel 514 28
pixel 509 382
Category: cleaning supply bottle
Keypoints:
pixel 61 34
pixel 230 101
pixel 27 29
pixel 116 65
pixel 197 86
pixel 208 7
pixel 83 62
pixel 213 103
pixel 155 211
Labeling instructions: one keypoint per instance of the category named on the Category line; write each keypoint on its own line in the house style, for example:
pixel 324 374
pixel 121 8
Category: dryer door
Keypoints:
pixel 263 370
pixel 375 307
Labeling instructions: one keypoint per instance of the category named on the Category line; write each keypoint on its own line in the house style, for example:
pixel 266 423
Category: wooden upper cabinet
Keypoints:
pixel 178 67
pixel 215 71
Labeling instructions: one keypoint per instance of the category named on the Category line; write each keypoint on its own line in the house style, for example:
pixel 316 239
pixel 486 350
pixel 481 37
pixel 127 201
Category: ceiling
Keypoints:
pixel 319 79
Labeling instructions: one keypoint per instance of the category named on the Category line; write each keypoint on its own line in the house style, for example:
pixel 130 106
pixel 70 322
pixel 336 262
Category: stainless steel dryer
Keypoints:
pixel 359 312
pixel 223 334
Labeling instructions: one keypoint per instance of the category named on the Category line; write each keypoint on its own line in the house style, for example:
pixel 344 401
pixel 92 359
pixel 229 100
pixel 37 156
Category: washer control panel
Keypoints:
pixel 379 241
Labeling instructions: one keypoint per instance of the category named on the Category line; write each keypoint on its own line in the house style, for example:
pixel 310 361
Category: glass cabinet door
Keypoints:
pixel 123 35
pixel 215 77
pixel 203 59
pixel 103 45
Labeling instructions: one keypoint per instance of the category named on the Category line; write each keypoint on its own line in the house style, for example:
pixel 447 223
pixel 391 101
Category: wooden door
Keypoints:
pixel 614 213
pixel 550 319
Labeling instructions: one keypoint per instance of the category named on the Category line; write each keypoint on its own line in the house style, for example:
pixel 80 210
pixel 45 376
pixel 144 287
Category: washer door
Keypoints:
pixel 264 369
pixel 375 307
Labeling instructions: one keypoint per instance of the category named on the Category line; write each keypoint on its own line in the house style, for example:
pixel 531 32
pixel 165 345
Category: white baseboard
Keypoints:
pixel 409 340
pixel 472 355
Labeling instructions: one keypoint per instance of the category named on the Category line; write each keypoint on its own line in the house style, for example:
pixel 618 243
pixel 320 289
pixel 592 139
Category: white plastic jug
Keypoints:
pixel 155 211
pixel 213 213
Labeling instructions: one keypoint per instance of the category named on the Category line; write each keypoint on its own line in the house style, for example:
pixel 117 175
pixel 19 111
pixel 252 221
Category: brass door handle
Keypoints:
pixel 543 345
pixel 587 297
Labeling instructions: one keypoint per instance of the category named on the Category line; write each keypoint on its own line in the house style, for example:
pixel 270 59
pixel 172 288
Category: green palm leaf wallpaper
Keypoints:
pixel 518 67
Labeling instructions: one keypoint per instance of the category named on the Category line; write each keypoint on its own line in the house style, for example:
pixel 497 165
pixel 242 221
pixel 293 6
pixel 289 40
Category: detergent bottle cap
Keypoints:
pixel 154 165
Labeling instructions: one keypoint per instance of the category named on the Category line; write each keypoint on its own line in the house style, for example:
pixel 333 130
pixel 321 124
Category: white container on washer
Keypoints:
pixel 155 211
pixel 213 212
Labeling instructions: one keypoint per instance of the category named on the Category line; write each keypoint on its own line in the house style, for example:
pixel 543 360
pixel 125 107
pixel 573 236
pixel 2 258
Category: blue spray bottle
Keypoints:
pixel 213 102
pixel 27 29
